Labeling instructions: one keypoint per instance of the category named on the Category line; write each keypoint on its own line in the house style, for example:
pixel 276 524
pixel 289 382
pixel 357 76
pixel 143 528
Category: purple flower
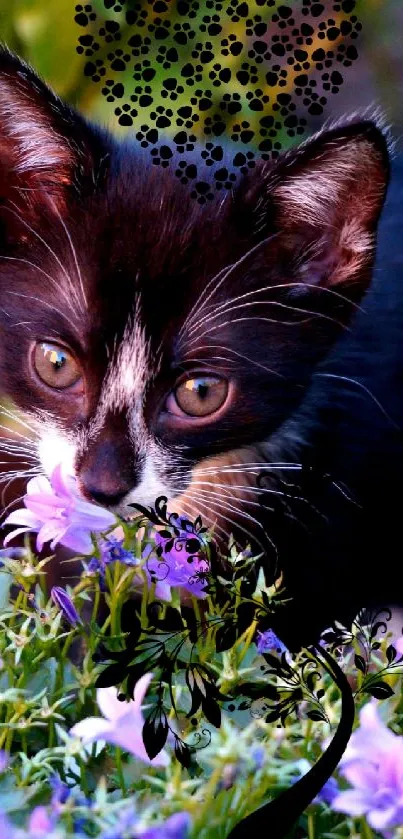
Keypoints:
pixel 122 723
pixel 181 562
pixel 373 765
pixel 268 641
pixel 40 823
pixel 4 761
pixel 57 512
pixel 112 550
pixel 176 827
pixel 65 604
pixel 329 790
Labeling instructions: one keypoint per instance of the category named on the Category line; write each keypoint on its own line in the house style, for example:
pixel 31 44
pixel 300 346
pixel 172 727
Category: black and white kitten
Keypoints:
pixel 158 346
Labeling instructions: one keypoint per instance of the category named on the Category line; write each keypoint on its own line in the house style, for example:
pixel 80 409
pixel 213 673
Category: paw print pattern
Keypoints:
pixel 248 72
pixel 84 15
pixel 125 115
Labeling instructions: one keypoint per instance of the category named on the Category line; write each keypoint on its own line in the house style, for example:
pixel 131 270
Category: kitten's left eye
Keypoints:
pixel 199 396
pixel 55 365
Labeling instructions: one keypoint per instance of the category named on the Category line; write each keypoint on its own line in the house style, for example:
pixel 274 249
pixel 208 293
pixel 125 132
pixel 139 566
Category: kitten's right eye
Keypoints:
pixel 55 365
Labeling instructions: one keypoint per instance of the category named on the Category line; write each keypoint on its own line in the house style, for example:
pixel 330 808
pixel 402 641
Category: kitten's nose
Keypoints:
pixel 104 498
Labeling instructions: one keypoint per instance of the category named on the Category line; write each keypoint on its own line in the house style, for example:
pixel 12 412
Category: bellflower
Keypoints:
pixel 65 604
pixel 56 511
pixel 181 563
pixel 373 765
pixel 122 723
pixel 268 642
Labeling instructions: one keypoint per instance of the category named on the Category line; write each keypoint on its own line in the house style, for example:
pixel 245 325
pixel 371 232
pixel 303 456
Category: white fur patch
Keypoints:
pixel 55 448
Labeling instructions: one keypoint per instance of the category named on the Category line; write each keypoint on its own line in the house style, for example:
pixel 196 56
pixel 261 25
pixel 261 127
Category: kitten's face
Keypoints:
pixel 154 343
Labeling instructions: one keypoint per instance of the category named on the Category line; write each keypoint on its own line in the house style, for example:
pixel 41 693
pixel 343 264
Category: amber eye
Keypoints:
pixel 55 365
pixel 201 395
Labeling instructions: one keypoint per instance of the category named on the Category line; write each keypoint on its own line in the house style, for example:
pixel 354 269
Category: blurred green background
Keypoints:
pixel 45 33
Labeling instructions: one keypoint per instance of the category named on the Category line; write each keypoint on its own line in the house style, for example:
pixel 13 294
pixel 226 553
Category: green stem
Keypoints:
pixel 119 769
pixel 311 826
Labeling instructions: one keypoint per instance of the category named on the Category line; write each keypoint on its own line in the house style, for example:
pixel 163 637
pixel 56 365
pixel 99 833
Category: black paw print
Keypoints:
pixel 212 154
pixel 143 70
pixel 332 81
pixel 214 125
pixel 136 16
pixel 312 8
pixel 346 55
pixel 140 45
pixel 125 114
pixel 143 96
pixel 95 70
pixel 211 4
pixel 186 117
pixel 203 52
pixel 111 4
pixel 113 90
pixel 257 99
pixel 186 171
pixel 84 15
pixel 259 51
pixel 88 45
pixel 192 73
pixel 211 25
pixel 256 26
pixel 110 31
pixel 160 29
pixel 224 179
pixel 242 132
pixel 231 45
pixel 184 141
pixel 202 192
pixel 183 33
pixel 187 9
pixel 244 161
pixel 283 17
pixel 276 76
pixel 118 60
pixel 162 117
pixel 247 74
pixel 171 89
pixel 231 102
pixel 161 156
pixel 202 99
pixel 147 136
pixel 219 75
pixel 167 57
pixel 237 10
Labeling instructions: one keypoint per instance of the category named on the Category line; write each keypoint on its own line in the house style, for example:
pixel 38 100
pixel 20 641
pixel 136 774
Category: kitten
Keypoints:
pixel 158 346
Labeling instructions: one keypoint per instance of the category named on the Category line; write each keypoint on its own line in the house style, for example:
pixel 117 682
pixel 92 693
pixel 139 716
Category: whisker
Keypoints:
pixel 269 320
pixel 199 306
pixel 240 355
pixel 73 250
pixel 48 276
pixel 44 303
pixel 360 385
pixel 47 246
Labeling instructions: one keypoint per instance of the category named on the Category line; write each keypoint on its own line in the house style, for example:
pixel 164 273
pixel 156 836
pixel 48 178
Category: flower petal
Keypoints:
pixel 92 728
pixel 352 801
pixel 109 704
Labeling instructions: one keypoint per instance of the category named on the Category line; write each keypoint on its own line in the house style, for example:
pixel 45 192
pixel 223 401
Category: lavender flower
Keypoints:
pixel 65 604
pixel 176 827
pixel 56 511
pixel 4 761
pixel 373 765
pixel 268 641
pixel 122 723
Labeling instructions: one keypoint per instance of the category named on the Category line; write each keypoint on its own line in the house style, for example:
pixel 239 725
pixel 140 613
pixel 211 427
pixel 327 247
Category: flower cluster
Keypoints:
pixel 126 713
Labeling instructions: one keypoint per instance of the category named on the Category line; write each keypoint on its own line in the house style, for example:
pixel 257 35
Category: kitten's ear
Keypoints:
pixel 323 199
pixel 46 149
